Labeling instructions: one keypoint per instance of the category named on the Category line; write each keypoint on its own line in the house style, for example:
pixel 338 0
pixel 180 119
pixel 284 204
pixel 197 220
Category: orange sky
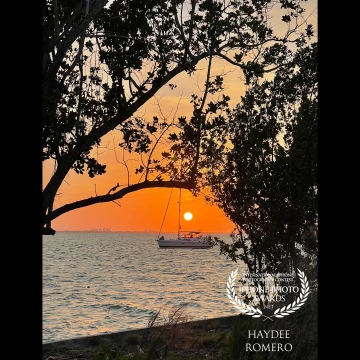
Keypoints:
pixel 145 209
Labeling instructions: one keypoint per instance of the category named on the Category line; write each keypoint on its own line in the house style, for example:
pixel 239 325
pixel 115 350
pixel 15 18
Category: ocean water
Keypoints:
pixel 101 282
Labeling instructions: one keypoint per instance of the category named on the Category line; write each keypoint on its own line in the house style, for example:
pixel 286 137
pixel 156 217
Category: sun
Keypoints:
pixel 188 216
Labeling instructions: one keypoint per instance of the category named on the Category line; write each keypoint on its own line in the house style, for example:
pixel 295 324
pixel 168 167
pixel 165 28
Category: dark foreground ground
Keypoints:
pixel 203 339
pixel 175 338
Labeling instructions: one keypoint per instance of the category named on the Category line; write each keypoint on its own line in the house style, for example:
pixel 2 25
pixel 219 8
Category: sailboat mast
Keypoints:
pixel 179 215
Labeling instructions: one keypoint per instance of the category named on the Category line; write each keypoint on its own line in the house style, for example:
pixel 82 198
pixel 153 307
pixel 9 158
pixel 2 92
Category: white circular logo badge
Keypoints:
pixel 278 313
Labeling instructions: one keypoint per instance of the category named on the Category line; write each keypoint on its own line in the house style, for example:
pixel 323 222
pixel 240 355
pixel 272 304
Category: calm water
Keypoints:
pixel 95 283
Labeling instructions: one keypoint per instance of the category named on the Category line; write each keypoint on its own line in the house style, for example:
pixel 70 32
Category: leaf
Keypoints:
pixel 286 18
pixel 276 311
pixel 279 316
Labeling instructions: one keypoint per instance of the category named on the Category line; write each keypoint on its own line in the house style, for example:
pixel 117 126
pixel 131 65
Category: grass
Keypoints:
pixel 170 337
pixel 132 340
pixel 213 339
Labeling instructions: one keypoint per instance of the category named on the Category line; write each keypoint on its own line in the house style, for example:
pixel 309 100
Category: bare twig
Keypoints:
pixel 113 188
pixel 116 203
pixel 152 150
pixel 124 162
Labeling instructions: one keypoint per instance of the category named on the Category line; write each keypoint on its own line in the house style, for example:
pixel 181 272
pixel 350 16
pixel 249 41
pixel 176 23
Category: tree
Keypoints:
pixel 268 183
pixel 141 46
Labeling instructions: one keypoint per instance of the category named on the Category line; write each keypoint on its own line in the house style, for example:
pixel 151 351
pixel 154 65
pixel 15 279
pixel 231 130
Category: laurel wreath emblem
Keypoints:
pixel 256 313
pixel 246 309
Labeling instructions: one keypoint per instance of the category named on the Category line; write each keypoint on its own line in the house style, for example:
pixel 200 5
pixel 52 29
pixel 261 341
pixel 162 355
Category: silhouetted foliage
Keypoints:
pixel 102 62
pixel 268 185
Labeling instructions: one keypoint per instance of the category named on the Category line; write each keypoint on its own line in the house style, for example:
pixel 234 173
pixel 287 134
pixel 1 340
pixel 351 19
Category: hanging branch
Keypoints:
pixel 56 18
pixel 199 114
pixel 160 136
pixel 116 203
pixel 154 147
pixel 118 195
pixel 124 162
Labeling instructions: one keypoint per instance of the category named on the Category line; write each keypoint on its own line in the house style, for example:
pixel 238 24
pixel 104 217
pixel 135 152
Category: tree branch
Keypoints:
pixel 207 83
pixel 227 59
pixel 118 195
pixel 63 46
pixel 86 142
pixel 192 15
pixel 244 67
pixel 117 120
pixel 113 188
pixel 56 18
pixel 183 38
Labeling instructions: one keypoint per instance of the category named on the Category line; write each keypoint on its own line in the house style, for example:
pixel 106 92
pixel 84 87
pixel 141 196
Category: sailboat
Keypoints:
pixel 185 239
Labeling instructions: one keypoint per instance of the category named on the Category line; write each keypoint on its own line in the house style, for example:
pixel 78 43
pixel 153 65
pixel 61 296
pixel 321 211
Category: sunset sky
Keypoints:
pixel 144 210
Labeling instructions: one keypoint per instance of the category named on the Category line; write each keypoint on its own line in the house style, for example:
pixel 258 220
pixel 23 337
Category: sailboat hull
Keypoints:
pixel 193 244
